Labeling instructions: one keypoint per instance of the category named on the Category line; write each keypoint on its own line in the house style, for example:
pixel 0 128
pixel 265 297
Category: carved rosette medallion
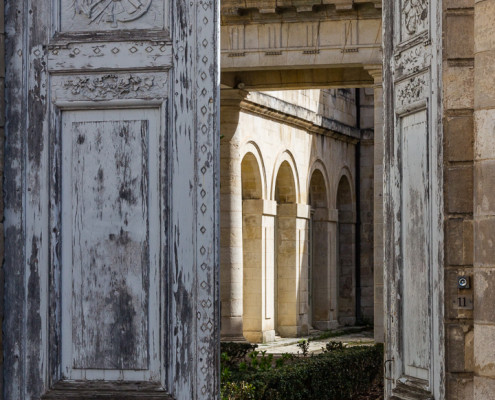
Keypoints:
pixel 415 13
pixel 112 11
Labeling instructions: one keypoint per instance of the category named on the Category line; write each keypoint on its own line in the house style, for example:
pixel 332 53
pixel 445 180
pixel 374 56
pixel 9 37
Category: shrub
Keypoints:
pixel 233 353
pixel 238 391
pixel 339 374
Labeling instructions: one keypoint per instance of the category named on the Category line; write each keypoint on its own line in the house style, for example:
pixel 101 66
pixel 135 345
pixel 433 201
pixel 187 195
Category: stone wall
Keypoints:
pixel 484 199
pixel 469 160
pixel 458 102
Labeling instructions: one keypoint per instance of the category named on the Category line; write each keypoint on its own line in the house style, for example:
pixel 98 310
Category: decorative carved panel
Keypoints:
pixel 111 15
pixel 111 86
pixel 414 18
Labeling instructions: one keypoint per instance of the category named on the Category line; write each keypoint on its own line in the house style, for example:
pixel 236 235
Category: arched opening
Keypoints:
pixel 346 253
pixel 252 248
pixel 286 296
pixel 251 178
pixel 319 275
pixel 285 187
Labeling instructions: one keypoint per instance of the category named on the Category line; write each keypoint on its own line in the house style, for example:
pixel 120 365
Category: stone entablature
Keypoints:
pixel 323 39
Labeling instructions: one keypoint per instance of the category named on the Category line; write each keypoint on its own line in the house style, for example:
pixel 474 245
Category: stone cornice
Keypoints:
pixel 261 9
pixel 317 125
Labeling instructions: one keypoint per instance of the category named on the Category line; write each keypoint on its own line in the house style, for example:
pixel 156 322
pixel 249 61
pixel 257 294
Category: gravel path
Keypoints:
pixel 285 345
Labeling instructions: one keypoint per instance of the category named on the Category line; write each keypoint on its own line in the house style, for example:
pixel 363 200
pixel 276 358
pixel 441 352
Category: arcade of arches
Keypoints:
pixel 296 211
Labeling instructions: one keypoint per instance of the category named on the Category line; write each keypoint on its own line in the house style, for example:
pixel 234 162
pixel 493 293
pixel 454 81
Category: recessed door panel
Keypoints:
pixel 110 242
pixel 415 237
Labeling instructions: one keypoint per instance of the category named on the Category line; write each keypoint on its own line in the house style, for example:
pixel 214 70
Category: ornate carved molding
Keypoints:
pixel 411 91
pixel 411 61
pixel 113 85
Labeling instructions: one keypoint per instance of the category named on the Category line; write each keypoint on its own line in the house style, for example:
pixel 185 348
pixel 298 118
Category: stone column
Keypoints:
pixel 347 267
pixel 366 205
pixel 376 73
pixel 302 260
pixel 269 290
pixel 292 269
pixel 252 238
pixel 231 273
pixel 484 201
pixel 287 271
pixel 259 280
pixel 324 269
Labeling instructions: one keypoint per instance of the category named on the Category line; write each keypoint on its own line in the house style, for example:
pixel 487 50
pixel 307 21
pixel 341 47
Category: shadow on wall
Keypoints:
pixel 288 247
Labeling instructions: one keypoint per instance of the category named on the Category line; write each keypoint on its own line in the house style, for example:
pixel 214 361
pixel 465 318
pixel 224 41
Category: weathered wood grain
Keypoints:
pixel 194 191
pixel 111 270
pixel 416 324
pixel 14 289
pixel 110 255
pixel 413 200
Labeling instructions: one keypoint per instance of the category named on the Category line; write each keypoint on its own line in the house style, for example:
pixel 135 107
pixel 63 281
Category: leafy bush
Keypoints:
pixel 338 374
pixel 233 352
pixel 238 391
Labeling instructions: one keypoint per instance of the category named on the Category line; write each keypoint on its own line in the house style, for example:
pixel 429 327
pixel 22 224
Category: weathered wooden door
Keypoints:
pixel 413 199
pixel 111 177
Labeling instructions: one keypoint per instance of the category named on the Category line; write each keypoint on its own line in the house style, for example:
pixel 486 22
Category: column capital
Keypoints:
pixel 376 72
pixel 232 97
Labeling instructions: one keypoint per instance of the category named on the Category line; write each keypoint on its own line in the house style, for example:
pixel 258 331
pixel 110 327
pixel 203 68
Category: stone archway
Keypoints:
pixel 257 275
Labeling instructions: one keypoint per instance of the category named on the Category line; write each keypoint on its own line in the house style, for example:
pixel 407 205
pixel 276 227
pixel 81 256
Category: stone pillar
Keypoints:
pixel 302 259
pixel 376 73
pixel 292 270
pixel 252 239
pixel 484 201
pixel 324 269
pixel 347 267
pixel 231 273
pixel 259 280
pixel 366 209
pixel 269 290
pixel 287 271
pixel 333 217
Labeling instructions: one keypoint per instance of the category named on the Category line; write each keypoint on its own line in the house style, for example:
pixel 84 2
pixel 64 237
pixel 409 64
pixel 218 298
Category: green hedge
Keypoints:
pixel 335 375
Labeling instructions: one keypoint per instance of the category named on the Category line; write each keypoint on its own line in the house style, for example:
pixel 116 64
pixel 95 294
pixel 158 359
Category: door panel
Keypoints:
pixel 111 224
pixel 415 322
pixel 111 234
pixel 413 199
